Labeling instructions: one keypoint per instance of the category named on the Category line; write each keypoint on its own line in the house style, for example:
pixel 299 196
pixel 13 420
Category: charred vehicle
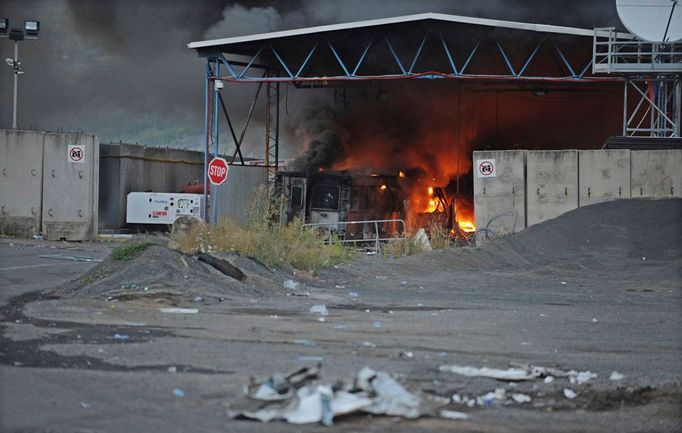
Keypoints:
pixel 335 200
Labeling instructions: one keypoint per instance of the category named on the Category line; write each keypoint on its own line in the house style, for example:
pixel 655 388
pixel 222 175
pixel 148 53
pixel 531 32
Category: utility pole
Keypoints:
pixel 32 28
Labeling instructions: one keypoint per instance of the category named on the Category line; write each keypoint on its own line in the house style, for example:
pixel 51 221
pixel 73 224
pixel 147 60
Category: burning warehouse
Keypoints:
pixel 413 97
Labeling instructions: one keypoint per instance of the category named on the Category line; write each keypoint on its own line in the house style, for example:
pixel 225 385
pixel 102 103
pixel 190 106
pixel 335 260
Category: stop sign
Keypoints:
pixel 217 171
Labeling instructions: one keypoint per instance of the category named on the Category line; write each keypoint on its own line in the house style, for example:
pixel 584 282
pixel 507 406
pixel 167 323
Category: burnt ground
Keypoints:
pixel 596 289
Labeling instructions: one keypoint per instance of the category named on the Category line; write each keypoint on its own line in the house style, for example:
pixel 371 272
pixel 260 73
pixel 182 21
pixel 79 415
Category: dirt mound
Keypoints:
pixel 164 276
pixel 612 234
pixel 605 234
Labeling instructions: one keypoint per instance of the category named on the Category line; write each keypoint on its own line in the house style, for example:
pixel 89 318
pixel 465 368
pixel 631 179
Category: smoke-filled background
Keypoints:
pixel 121 68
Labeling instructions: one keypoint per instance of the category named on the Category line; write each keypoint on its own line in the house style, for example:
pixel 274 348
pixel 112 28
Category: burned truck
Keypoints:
pixel 349 204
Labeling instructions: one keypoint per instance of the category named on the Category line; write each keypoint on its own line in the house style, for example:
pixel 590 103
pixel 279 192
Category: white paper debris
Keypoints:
pixel 179 310
pixel 521 398
pixel 511 374
pixel 569 393
pixel 319 309
pixel 292 285
pixel 549 379
pixel 616 376
pixel 453 414
pixel 580 377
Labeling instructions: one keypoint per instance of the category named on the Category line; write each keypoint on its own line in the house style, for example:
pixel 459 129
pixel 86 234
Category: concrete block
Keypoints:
pixel 603 175
pixel 656 173
pixel 233 198
pixel 499 201
pixel 21 182
pixel 70 186
pixel 551 184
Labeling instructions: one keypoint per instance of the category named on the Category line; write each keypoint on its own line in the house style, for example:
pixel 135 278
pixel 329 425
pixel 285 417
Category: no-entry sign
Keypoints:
pixel 485 168
pixel 217 171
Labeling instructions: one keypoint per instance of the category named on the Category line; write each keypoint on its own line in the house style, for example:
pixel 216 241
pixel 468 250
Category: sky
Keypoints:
pixel 121 68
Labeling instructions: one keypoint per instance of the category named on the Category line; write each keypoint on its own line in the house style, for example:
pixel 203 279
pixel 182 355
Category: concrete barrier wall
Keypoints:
pixel 557 181
pixel 126 168
pixel 603 175
pixel 70 186
pixel 21 182
pixel 233 198
pixel 499 201
pixel 551 184
pixel 656 173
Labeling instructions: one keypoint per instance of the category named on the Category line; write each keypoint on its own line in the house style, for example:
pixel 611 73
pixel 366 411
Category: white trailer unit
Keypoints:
pixel 161 208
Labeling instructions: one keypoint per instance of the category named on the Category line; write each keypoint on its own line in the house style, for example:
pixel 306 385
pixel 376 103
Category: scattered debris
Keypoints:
pixel 178 392
pixel 223 266
pixel 377 324
pixel 570 394
pixel 406 355
pixel 369 344
pixel 353 294
pixel 521 398
pixel 172 369
pixel 549 379
pixel 198 299
pixel 340 327
pixel 452 414
pixel 303 342
pixel 38 237
pixel 292 285
pixel 296 400
pixel 121 337
pixel 616 376
pixel 381 277
pixel 175 310
pixel 487 400
pixel 421 241
pixel 321 319
pixel 72 258
pixel 511 374
pixel 580 377
pixel 84 405
pixel 319 309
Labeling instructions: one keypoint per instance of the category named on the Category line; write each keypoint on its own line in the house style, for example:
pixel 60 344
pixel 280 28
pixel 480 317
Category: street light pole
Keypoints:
pixel 16 83
pixel 31 29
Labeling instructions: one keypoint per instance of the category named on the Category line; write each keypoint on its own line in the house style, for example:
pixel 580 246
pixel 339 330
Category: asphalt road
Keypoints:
pixel 62 368
pixel 22 270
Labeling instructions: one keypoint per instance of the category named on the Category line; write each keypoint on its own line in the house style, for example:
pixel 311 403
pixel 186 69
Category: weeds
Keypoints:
pixel 265 239
pixel 129 251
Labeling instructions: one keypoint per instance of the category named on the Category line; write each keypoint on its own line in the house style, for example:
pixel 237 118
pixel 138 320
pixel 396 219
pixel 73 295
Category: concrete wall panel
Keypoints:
pixel 603 175
pixel 21 182
pixel 70 189
pixel 656 173
pixel 551 184
pixel 233 198
pixel 499 201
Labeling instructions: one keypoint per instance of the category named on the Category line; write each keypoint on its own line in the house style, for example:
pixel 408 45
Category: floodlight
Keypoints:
pixel 16 35
pixel 32 27
pixel 4 25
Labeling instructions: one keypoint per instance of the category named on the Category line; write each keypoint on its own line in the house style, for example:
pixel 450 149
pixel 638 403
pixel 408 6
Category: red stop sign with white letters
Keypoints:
pixel 217 171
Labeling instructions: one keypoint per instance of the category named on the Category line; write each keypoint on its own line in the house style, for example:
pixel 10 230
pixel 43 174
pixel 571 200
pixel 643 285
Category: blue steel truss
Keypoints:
pixel 347 68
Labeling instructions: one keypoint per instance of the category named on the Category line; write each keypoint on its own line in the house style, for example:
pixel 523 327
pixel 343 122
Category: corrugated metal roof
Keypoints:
pixel 543 28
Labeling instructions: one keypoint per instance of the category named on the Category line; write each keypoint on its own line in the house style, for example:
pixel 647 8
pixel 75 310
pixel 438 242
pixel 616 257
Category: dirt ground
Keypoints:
pixel 596 289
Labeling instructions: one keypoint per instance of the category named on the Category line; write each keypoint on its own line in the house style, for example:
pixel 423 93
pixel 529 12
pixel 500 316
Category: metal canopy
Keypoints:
pixel 224 43
pixel 421 46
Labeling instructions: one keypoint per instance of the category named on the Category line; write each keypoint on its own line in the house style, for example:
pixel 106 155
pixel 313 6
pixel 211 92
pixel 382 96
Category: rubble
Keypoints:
pixel 297 400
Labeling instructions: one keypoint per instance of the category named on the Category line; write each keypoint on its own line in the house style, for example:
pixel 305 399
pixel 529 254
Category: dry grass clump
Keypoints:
pixel 264 238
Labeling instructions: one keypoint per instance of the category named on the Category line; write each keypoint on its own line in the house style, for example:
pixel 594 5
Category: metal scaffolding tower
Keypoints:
pixel 653 85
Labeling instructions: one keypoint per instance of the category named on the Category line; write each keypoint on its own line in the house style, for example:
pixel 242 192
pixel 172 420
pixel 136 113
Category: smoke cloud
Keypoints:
pixel 121 68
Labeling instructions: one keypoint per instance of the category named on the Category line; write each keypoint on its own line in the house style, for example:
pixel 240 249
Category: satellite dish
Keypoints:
pixel 652 20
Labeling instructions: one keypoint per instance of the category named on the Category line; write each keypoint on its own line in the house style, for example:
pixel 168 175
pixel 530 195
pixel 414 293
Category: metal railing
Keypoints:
pixel 377 239
pixel 613 54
